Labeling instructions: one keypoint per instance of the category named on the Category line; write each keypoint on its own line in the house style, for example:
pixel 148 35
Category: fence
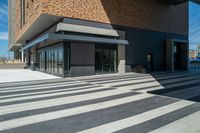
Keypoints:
pixel 194 65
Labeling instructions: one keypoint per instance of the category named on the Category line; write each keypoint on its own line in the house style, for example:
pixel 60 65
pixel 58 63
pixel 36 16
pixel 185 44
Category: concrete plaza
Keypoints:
pixel 18 75
pixel 132 103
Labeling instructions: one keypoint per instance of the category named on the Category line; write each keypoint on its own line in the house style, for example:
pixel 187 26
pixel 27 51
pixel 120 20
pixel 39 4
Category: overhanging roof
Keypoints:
pixel 14 47
pixel 86 29
pixel 43 22
pixel 196 1
pixel 75 38
pixel 173 2
pixel 176 2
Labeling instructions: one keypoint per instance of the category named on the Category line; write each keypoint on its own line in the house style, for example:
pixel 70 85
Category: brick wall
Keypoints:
pixel 33 9
pixel 145 14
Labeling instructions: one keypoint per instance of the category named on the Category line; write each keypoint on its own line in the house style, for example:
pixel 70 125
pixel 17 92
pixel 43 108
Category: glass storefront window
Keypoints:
pixel 51 60
pixel 56 60
pixel 60 61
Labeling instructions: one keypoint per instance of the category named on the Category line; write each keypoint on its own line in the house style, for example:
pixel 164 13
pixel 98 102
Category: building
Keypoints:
pixel 85 37
pixel 198 50
pixel 193 54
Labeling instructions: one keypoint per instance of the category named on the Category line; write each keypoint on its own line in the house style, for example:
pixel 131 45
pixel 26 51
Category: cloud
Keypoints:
pixel 3 16
pixel 3 35
pixel 3 10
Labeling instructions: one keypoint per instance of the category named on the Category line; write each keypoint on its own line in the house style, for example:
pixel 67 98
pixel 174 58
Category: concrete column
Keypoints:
pixel 121 59
pixel 121 55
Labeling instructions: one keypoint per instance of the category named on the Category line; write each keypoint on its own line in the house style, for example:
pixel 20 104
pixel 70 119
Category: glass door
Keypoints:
pixel 105 60
pixel 51 60
pixel 177 56
pixel 98 60
pixel 45 61
pixel 60 61
pixel 55 61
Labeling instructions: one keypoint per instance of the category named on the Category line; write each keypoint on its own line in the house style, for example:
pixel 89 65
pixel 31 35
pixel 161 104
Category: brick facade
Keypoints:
pixel 32 12
pixel 144 14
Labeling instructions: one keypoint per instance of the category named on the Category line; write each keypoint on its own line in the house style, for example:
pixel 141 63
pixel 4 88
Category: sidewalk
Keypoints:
pixel 14 75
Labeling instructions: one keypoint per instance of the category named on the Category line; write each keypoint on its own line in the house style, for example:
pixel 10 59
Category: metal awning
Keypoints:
pixel 86 29
pixel 75 38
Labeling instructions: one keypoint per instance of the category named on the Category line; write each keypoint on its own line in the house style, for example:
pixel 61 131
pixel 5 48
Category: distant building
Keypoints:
pixel 198 50
pixel 193 54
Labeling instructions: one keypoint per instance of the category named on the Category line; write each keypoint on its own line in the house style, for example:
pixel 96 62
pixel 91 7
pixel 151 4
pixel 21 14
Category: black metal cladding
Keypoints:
pixel 173 2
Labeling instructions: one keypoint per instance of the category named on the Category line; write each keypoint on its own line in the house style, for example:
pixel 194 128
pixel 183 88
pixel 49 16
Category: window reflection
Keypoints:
pixel 51 60
pixel 105 60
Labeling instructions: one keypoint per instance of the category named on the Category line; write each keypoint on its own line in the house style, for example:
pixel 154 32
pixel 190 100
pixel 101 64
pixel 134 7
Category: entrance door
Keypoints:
pixel 177 56
pixel 105 60
pixel 149 62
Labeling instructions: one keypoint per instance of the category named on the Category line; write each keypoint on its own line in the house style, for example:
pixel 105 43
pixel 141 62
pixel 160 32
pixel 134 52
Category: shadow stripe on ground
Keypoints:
pixel 53 92
pixel 42 90
pixel 171 89
pixel 53 97
pixel 34 82
pixel 121 80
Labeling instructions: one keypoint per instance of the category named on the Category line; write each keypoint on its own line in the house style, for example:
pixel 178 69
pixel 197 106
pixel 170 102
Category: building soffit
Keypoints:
pixel 173 2
pixel 177 2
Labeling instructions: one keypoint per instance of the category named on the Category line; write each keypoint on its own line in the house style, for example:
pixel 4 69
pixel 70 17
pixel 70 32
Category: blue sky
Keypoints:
pixel 3 27
pixel 194 26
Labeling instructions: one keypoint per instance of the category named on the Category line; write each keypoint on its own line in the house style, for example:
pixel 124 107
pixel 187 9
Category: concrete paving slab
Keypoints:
pixel 18 75
pixel 100 103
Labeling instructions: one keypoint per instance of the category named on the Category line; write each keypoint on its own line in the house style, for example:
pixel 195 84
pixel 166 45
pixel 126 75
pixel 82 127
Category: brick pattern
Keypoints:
pixel 145 14
pixel 32 12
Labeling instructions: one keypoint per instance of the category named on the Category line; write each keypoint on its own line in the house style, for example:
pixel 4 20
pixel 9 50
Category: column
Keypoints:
pixel 121 55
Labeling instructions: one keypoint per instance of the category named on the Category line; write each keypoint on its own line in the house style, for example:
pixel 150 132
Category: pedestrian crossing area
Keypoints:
pixel 139 103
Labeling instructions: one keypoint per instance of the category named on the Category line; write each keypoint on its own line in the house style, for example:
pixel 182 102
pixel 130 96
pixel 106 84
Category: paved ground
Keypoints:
pixel 106 103
pixel 14 75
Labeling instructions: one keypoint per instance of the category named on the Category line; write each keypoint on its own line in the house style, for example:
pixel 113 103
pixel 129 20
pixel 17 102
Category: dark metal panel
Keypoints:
pixel 87 23
pixel 196 1
pixel 37 41
pixel 76 38
pixel 173 2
